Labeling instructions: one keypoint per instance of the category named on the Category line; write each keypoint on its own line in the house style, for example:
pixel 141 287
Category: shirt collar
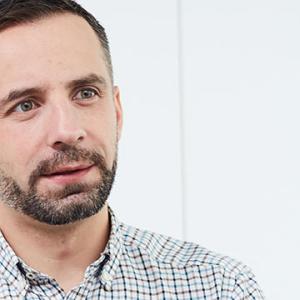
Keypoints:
pixel 8 261
pixel 11 266
pixel 106 266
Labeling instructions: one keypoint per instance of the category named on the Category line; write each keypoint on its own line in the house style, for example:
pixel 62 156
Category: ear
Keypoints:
pixel 119 111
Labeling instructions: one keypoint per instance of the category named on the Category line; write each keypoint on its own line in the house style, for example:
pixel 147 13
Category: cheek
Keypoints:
pixel 16 153
pixel 11 145
pixel 102 131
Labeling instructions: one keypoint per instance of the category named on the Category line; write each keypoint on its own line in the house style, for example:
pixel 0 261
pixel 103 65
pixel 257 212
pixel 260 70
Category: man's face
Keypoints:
pixel 60 120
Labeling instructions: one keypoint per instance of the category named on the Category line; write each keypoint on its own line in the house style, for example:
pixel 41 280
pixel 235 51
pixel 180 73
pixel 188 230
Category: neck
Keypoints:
pixel 56 250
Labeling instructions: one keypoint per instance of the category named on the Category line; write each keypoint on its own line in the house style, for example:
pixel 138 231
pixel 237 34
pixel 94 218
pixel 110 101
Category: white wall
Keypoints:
pixel 143 43
pixel 210 148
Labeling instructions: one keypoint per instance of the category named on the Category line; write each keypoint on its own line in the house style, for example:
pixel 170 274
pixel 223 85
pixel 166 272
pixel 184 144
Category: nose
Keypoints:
pixel 65 128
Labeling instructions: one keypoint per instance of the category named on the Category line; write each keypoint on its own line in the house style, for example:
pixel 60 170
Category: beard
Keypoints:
pixel 72 203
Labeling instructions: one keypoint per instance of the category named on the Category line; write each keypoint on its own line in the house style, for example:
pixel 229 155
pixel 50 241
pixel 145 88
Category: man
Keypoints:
pixel 60 123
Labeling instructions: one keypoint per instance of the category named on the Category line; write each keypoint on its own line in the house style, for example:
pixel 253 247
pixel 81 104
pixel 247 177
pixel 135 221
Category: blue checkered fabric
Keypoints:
pixel 137 265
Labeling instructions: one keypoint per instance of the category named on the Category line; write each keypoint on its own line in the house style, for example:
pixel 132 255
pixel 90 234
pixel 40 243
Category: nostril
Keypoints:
pixel 63 146
pixel 63 138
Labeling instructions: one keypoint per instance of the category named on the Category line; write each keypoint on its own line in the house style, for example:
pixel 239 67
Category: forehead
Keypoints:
pixel 57 48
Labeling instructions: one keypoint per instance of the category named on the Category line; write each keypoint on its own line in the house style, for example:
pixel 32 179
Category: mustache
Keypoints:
pixel 67 155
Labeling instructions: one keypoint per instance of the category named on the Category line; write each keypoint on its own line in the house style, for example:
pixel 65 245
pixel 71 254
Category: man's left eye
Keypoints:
pixel 85 94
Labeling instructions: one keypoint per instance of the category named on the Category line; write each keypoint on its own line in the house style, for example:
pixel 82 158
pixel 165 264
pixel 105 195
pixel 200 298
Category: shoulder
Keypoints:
pixel 176 253
pixel 188 265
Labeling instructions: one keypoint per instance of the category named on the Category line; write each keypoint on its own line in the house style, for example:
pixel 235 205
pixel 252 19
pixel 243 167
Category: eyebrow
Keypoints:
pixel 16 94
pixel 22 93
pixel 89 79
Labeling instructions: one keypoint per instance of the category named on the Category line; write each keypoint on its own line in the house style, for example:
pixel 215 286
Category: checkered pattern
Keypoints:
pixel 137 265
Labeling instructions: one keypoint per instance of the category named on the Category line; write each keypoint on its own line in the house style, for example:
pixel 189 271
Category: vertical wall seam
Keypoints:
pixel 181 117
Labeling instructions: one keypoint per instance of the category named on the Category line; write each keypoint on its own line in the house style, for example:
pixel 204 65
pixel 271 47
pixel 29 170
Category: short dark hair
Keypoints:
pixel 16 12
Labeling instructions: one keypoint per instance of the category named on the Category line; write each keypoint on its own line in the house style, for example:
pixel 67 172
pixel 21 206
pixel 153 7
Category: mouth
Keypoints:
pixel 68 174
pixel 65 170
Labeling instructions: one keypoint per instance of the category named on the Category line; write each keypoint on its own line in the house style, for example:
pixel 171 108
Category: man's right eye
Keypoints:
pixel 25 106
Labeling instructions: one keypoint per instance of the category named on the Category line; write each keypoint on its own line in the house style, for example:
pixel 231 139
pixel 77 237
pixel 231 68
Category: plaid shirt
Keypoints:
pixel 137 265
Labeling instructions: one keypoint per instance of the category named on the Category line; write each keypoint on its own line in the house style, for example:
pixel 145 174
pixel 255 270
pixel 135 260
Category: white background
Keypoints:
pixel 210 147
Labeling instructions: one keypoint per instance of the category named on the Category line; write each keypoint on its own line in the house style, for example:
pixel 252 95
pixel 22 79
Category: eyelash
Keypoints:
pixel 29 100
pixel 89 89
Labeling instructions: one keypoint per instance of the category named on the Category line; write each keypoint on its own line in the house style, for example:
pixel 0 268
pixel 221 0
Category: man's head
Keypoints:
pixel 60 116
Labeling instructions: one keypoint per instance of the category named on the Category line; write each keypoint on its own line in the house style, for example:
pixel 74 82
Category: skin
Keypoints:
pixel 47 55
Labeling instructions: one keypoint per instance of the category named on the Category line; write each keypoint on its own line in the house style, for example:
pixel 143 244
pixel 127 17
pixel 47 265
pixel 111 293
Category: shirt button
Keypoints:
pixel 106 277
pixel 30 276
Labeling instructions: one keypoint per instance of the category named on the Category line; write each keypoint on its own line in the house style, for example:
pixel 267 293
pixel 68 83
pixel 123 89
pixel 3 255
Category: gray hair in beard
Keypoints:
pixel 73 203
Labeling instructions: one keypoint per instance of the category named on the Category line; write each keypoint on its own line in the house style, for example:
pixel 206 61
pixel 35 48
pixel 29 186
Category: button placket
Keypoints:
pixel 106 279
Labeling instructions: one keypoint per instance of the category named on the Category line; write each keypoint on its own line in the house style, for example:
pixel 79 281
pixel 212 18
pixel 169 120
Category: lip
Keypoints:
pixel 66 169
pixel 68 174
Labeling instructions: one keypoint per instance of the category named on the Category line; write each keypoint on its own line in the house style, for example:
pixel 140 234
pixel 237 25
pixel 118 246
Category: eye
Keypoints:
pixel 86 93
pixel 25 106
